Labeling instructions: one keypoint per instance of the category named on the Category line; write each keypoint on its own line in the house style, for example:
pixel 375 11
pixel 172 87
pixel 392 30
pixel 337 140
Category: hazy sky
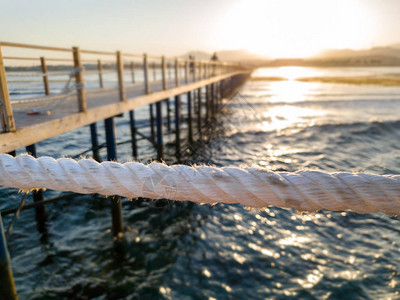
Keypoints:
pixel 276 28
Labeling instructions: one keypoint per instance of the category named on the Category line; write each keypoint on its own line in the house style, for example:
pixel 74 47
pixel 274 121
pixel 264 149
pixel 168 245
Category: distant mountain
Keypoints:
pixel 388 51
pixel 242 56
pixel 378 56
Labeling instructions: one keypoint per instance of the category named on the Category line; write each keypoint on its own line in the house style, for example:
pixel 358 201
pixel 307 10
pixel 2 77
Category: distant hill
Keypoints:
pixel 241 56
pixel 389 51
pixel 385 56
pixel 376 56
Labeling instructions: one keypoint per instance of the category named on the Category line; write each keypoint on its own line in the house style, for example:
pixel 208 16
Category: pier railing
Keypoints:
pixel 113 70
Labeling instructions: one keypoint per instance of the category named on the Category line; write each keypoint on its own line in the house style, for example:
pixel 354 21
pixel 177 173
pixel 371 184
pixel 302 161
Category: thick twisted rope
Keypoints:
pixel 252 187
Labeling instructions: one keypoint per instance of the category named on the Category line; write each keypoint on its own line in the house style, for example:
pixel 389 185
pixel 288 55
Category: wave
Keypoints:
pixel 250 101
pixel 374 128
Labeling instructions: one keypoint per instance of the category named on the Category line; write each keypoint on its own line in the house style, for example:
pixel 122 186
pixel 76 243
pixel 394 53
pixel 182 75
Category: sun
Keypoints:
pixel 292 28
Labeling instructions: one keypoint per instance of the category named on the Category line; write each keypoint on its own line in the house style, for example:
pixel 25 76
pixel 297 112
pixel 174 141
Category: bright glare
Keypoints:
pixel 293 28
pixel 290 73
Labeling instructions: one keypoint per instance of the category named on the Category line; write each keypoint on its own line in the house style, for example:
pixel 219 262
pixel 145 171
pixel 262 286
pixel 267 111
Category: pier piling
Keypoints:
pixel 7 285
pixel 132 125
pixel 95 142
pixel 40 211
pixel 189 112
pixel 116 204
pixel 199 123
pixel 160 145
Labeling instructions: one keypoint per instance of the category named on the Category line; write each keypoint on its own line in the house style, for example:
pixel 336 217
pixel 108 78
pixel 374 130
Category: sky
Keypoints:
pixel 274 28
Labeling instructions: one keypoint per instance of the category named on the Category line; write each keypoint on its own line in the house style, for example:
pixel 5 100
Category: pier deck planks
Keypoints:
pixel 101 104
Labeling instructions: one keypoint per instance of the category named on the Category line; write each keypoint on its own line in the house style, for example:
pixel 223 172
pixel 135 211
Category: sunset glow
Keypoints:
pixel 296 28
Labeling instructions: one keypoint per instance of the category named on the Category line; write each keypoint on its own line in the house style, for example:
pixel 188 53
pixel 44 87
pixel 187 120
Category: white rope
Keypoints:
pixel 252 187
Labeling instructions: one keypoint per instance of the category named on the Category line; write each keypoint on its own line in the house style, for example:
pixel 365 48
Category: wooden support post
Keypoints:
pixel 164 87
pixel 200 71
pixel 169 70
pixel 163 73
pixel 194 71
pixel 40 211
pixel 79 79
pixel 6 114
pixel 147 86
pixel 133 71
pixel 116 204
pixel 189 108
pixel 120 71
pixel 100 70
pixel 154 71
pixel 176 72
pixel 95 142
pixel 132 124
pixel 45 76
pixel 186 71
pixel 7 285
pixel 160 146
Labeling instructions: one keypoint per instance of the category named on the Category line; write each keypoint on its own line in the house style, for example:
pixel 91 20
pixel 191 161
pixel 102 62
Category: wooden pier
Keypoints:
pixel 140 80
pixel 87 106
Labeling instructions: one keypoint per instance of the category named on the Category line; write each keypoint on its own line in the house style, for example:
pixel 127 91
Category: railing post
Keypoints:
pixel 154 71
pixel 176 72
pixel 79 79
pixel 133 71
pixel 200 71
pixel 194 71
pixel 45 76
pixel 120 70
pixel 169 70
pixel 7 285
pixel 165 86
pixel 146 74
pixel 163 73
pixel 186 71
pixel 6 114
pixel 100 70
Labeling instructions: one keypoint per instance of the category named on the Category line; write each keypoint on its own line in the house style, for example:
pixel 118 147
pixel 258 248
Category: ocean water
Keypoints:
pixel 189 251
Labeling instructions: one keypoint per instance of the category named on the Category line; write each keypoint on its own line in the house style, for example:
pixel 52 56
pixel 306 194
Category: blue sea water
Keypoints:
pixel 190 251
